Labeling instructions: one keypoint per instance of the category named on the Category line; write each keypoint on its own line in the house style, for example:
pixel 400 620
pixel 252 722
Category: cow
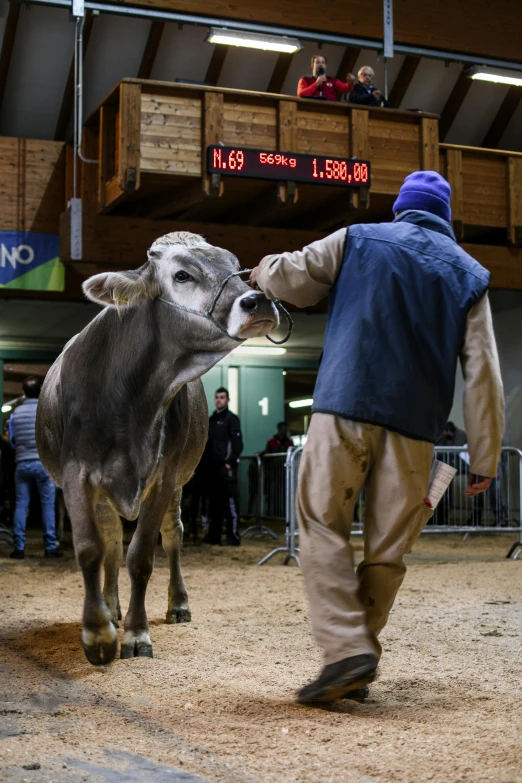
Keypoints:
pixel 122 420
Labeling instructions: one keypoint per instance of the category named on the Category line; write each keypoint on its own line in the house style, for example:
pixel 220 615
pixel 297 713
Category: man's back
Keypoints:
pixel 392 340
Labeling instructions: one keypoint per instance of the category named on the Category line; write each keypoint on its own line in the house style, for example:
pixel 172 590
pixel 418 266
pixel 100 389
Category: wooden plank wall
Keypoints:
pixel 171 133
pixel 32 185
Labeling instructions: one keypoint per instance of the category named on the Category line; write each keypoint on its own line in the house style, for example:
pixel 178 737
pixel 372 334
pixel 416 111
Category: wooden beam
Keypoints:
pixel 515 201
pixel 11 24
pixel 453 104
pixel 502 117
pixel 287 126
pixel 359 148
pixel 151 49
pixel 212 133
pixel 348 60
pixel 429 144
pixel 129 136
pixel 454 177
pixel 403 80
pixel 68 94
pixel 504 263
pixel 216 63
pixel 279 73
pixel 122 243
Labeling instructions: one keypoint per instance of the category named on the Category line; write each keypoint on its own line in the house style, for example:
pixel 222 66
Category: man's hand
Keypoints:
pixel 477 484
pixel 253 277
pixel 351 78
pixel 320 80
pixel 377 94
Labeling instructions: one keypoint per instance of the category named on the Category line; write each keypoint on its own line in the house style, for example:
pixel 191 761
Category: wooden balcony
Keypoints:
pixel 150 139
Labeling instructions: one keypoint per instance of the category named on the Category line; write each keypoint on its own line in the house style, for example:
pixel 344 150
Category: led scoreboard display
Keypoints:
pixel 294 167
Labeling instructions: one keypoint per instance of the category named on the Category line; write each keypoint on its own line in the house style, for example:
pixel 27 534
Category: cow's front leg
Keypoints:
pixel 140 561
pixel 172 535
pixel 110 525
pixel 98 633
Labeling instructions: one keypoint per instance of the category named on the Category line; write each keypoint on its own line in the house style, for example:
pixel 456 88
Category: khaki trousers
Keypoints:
pixel 348 609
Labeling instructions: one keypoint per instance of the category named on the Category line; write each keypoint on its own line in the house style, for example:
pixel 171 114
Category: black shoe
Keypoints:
pixel 53 553
pixel 232 542
pixel 338 679
pixel 17 554
pixel 359 694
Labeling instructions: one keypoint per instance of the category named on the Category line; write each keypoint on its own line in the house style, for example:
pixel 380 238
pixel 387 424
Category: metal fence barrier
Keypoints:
pixel 498 509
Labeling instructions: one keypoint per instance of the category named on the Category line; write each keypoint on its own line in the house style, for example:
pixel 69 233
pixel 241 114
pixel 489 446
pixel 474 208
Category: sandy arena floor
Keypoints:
pixel 216 702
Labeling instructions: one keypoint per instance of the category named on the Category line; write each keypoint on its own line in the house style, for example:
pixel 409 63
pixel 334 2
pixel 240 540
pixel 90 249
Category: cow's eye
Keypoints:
pixel 182 277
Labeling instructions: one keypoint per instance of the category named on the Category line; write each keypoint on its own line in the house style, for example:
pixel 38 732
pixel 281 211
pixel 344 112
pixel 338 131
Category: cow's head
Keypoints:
pixel 188 272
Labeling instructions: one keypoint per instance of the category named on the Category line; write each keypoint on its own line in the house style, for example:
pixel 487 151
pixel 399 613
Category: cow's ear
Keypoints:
pixel 119 289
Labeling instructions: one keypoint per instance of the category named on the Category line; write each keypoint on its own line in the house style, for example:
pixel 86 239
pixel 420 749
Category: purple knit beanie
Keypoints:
pixel 425 190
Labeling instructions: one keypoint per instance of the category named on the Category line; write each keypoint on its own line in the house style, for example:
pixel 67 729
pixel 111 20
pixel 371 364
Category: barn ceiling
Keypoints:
pixel 42 51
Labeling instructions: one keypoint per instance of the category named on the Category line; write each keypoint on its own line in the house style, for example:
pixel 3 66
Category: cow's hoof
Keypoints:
pixel 136 647
pixel 100 646
pixel 178 616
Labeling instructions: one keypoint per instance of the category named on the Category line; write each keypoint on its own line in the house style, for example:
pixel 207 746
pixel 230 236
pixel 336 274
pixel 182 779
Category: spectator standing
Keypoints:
pixel 224 446
pixel 29 472
pixel 365 93
pixel 321 86
pixel 406 303
pixel 279 442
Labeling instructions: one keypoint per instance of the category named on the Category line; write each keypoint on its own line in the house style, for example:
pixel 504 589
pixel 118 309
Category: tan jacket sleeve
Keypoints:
pixel 304 277
pixel 483 391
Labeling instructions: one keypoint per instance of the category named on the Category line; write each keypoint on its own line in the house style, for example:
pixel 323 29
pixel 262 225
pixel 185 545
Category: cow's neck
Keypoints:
pixel 164 348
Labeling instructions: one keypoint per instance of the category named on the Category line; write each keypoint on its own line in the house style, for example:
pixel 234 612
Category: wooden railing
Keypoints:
pixel 145 130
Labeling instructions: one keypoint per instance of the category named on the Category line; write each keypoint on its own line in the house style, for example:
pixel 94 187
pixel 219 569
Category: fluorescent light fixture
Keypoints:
pixel 7 408
pixel 301 403
pixel 255 350
pixel 269 43
pixel 497 75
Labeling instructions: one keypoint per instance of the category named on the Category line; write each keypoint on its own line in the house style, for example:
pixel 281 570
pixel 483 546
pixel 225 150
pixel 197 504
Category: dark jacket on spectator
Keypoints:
pixel 330 90
pixel 363 96
pixel 225 442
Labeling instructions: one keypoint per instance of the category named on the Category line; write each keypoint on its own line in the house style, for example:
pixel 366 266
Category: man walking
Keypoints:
pixel 406 303
pixel 30 471
pixel 221 456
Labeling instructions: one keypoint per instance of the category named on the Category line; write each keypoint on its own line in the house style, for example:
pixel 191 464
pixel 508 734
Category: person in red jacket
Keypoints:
pixel 326 88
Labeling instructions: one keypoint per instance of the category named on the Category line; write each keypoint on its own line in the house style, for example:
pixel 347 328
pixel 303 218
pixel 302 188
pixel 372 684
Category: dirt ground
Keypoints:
pixel 216 702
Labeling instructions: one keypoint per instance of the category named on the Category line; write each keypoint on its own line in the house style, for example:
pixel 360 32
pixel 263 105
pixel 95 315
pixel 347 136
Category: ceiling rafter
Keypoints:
pixel 11 25
pixel 453 104
pixel 502 117
pixel 280 72
pixel 403 80
pixel 68 94
pixel 151 49
pixel 348 60
pixel 216 64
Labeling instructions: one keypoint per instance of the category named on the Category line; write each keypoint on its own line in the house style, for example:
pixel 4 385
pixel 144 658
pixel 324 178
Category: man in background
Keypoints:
pixel 279 442
pixel 365 93
pixel 224 446
pixel 321 86
pixel 29 472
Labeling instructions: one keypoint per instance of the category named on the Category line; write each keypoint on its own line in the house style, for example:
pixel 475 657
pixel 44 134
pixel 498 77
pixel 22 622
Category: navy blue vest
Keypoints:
pixel 396 325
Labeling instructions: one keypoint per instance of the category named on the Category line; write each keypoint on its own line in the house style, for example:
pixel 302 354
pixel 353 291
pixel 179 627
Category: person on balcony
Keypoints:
pixel 406 304
pixel 365 93
pixel 321 86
